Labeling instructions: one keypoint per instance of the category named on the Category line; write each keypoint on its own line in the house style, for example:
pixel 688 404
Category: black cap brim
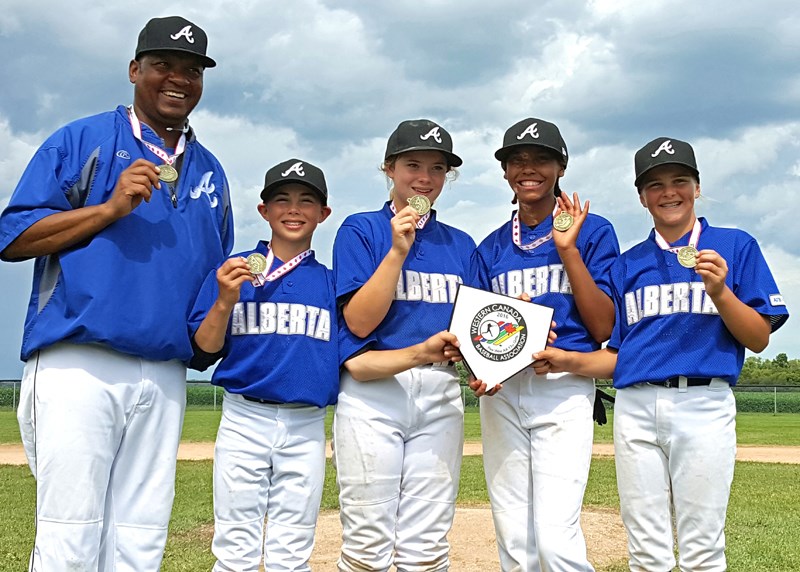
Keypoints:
pixel 453 160
pixel 207 62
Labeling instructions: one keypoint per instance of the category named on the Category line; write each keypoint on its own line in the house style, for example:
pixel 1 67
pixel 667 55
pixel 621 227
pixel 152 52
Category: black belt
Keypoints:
pixel 259 400
pixel 675 382
pixel 440 364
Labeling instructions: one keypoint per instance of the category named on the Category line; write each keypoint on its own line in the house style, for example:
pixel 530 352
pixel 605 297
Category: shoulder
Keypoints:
pixel 457 235
pixel 501 234
pixel 365 221
pixel 597 221
pixel 85 132
pixel 726 234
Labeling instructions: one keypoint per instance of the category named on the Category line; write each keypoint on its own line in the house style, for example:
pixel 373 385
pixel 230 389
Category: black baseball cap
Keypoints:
pixel 295 171
pixel 664 151
pixel 175 34
pixel 422 135
pixel 532 131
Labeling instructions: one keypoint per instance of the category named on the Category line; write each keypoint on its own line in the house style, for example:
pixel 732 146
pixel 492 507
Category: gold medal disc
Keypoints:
pixel 563 222
pixel 420 203
pixel 257 263
pixel 687 256
pixel 167 173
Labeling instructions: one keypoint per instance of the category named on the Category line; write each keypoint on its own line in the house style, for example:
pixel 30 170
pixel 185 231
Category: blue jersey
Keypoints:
pixel 437 263
pixel 281 343
pixel 130 286
pixel 666 324
pixel 505 268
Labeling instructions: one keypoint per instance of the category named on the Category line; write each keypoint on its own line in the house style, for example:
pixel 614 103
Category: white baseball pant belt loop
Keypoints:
pixel 103 444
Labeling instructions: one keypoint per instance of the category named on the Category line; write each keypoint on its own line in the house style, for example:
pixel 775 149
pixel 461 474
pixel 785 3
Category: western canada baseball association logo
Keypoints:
pixel 498 332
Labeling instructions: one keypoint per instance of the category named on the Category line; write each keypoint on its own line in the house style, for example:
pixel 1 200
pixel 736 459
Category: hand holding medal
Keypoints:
pixel 713 269
pixel 230 276
pixel 568 220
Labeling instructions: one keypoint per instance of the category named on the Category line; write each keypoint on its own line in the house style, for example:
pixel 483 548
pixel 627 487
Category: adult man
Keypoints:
pixel 125 213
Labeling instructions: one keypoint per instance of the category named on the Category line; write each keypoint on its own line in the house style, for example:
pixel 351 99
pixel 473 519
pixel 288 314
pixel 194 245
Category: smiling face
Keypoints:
pixel 532 173
pixel 669 192
pixel 167 87
pixel 293 212
pixel 416 173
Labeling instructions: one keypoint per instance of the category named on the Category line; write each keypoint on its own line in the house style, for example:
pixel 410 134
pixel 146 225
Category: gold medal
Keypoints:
pixel 687 256
pixel 420 203
pixel 167 173
pixel 563 222
pixel 257 263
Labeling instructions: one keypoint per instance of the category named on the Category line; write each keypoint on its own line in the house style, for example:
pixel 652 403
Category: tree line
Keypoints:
pixel 778 371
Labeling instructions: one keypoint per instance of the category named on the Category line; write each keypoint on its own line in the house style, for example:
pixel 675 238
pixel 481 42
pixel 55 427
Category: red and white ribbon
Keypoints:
pixel 136 126
pixel 516 235
pixel 285 268
pixel 423 220
pixel 693 239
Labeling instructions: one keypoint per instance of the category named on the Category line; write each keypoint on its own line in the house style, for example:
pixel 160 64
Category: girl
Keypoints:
pixel 688 301
pixel 537 432
pixel 398 428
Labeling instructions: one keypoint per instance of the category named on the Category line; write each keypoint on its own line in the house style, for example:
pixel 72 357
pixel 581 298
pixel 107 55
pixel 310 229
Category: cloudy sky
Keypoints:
pixel 328 81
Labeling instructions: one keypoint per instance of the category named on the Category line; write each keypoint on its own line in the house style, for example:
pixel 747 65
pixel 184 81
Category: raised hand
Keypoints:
pixel 713 269
pixel 135 184
pixel 568 238
pixel 230 276
pixel 404 230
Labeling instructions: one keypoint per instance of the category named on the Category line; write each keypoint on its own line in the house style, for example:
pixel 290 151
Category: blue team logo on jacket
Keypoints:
pixel 498 332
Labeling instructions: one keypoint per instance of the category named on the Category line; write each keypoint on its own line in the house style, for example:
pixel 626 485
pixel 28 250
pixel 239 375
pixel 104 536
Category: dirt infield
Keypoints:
pixel 14 455
pixel 472 539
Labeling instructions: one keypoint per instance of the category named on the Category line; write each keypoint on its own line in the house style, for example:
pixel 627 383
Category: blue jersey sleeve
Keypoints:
pixel 354 259
pixel 754 285
pixel 600 251
pixel 50 184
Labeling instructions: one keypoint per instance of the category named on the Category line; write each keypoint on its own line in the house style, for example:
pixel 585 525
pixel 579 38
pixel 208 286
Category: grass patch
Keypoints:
pixel 200 425
pixel 762 533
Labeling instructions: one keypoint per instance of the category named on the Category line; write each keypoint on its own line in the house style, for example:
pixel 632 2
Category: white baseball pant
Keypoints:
pixel 675 449
pixel 398 445
pixel 101 432
pixel 269 460
pixel 537 446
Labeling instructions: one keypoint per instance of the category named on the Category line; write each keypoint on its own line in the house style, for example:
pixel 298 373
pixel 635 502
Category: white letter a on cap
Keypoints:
pixel 666 146
pixel 531 130
pixel 296 168
pixel 432 133
pixel 186 32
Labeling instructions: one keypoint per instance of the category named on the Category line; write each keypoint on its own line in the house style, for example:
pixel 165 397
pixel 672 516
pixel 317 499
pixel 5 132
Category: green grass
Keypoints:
pixel 761 530
pixel 752 428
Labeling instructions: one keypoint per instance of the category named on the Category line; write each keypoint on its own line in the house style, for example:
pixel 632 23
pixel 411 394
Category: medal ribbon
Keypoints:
pixel 285 268
pixel 136 127
pixel 423 220
pixel 516 235
pixel 693 239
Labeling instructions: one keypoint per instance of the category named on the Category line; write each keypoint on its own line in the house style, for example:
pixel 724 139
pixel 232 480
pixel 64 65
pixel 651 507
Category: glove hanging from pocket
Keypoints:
pixel 599 412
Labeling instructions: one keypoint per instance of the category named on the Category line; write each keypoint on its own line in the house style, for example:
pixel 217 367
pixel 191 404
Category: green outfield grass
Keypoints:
pixel 752 428
pixel 762 533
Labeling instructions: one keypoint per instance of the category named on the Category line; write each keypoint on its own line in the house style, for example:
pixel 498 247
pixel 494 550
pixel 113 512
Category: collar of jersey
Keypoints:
pixel 684 240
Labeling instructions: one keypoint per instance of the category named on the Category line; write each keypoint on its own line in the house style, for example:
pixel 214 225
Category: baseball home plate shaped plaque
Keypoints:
pixel 498 334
